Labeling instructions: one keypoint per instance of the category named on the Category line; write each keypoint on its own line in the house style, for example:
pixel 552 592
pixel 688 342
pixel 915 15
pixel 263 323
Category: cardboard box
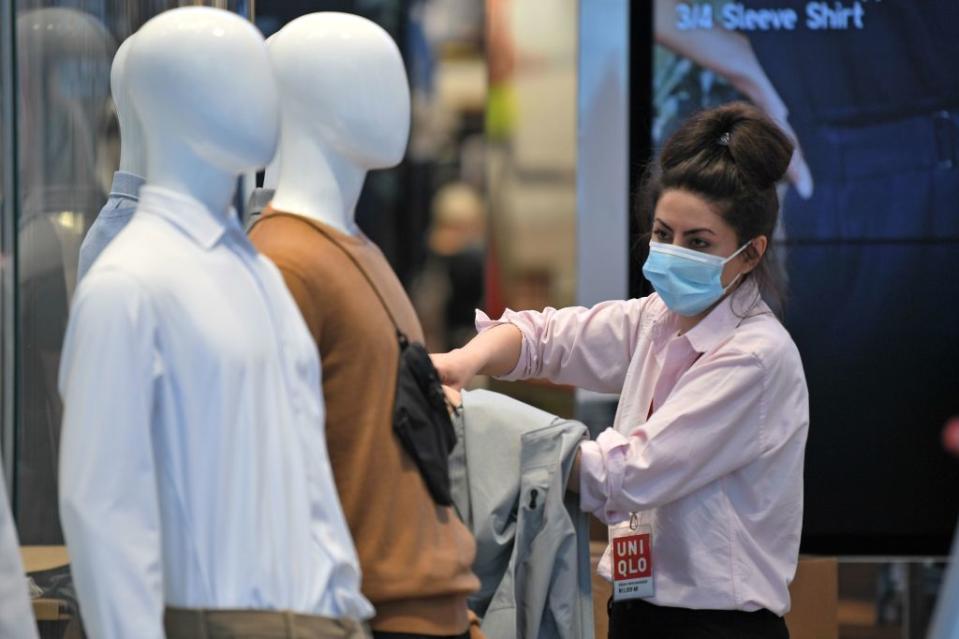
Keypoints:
pixel 815 599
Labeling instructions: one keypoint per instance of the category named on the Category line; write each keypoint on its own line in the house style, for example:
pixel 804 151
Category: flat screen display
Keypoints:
pixel 868 240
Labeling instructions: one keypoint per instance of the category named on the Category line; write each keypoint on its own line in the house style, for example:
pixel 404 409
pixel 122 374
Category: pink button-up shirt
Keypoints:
pixel 707 445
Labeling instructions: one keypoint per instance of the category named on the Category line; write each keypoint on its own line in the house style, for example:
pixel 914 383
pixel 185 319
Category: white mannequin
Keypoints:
pixel 345 110
pixel 203 127
pixel 194 470
pixel 132 144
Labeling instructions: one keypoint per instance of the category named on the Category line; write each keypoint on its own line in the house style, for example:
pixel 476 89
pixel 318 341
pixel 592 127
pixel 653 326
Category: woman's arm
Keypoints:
pixel 586 347
pixel 493 352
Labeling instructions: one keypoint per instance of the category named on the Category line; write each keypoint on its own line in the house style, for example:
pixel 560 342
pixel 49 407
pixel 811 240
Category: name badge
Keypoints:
pixel 632 553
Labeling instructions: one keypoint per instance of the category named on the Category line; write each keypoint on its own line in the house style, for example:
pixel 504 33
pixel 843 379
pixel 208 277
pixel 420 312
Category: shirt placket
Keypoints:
pixel 637 391
pixel 247 256
pixel 678 357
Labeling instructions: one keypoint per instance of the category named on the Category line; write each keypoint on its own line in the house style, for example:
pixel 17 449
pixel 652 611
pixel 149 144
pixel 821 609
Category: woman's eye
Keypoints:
pixel 698 243
pixel 660 234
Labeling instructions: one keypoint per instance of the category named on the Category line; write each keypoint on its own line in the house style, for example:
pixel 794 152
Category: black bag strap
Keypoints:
pixel 325 233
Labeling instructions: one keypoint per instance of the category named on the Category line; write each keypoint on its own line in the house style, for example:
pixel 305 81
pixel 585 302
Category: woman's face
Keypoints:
pixel 687 220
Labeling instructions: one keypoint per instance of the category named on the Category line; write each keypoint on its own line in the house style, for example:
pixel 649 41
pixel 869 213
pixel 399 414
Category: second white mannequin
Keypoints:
pixel 345 109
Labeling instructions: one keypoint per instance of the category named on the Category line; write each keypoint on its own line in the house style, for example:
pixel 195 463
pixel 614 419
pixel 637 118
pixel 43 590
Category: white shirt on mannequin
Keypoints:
pixel 181 301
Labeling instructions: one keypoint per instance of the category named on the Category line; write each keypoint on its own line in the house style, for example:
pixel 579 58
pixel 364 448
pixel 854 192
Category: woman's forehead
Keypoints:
pixel 682 209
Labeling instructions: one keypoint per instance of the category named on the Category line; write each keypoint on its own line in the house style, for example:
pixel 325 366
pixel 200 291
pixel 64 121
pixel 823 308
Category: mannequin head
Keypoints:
pixel 343 83
pixel 345 110
pixel 202 86
pixel 132 150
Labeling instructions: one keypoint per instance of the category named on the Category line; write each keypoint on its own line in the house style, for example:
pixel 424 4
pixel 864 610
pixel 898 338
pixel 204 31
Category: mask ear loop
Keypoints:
pixel 741 249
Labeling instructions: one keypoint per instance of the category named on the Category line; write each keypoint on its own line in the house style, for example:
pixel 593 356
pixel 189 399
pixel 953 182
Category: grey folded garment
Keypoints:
pixel 509 472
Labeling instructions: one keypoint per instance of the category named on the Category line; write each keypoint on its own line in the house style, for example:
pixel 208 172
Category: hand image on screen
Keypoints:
pixel 730 55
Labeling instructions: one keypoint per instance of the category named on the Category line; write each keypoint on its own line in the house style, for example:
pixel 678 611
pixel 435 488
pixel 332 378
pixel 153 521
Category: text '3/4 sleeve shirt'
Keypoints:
pixel 194 471
pixel 707 445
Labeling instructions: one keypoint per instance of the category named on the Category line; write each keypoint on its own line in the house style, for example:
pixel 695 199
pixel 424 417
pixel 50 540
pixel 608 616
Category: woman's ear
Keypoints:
pixel 754 253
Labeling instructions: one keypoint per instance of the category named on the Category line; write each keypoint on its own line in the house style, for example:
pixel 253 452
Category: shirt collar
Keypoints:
pixel 188 214
pixel 728 314
pixel 259 199
pixel 126 185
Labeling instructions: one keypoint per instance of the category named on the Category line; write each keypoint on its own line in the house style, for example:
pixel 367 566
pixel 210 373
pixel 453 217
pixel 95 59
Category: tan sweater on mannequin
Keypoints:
pixel 416 556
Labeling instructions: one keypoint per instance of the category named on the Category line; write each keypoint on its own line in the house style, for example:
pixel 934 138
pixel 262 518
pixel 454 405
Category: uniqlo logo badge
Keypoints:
pixel 632 557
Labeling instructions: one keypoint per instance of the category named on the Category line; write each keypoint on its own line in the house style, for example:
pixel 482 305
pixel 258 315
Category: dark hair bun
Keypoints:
pixel 759 147
pixel 737 133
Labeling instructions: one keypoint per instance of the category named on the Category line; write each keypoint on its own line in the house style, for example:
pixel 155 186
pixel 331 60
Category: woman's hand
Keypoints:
pixel 456 368
pixel 454 400
pixel 492 352
pixel 798 172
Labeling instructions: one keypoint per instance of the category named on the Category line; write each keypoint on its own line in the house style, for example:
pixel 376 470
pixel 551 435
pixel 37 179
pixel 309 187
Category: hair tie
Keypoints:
pixel 724 139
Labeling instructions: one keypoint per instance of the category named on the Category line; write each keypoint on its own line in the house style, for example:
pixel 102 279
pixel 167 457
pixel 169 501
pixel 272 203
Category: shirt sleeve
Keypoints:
pixel 586 347
pixel 108 494
pixel 711 425
pixel 16 615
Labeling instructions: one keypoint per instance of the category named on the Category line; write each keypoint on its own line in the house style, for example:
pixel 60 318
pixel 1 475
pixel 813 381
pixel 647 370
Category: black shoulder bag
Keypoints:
pixel 421 420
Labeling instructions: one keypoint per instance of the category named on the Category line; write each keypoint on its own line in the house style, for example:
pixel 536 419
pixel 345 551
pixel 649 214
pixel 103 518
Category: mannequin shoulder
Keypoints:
pixel 292 245
pixel 150 252
pixel 110 299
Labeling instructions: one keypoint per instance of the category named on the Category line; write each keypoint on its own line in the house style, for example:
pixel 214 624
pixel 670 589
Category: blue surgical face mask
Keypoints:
pixel 688 281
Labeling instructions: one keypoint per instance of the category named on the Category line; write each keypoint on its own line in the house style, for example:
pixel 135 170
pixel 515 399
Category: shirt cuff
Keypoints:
pixel 523 364
pixel 601 470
